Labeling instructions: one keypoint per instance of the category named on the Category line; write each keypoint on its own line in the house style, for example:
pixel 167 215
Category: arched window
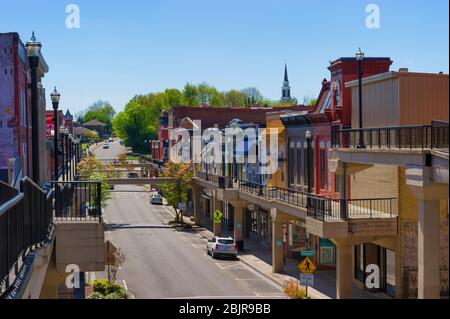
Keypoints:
pixel 299 164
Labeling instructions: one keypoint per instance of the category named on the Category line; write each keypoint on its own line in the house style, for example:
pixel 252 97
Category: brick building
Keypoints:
pixel 15 108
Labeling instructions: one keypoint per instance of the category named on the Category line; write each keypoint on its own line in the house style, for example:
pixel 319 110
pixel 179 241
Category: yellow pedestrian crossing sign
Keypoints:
pixel 307 266
pixel 218 216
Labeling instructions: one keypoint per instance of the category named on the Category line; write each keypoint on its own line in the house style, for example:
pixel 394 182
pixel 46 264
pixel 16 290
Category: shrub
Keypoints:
pixel 101 286
pixel 294 291
pixel 103 289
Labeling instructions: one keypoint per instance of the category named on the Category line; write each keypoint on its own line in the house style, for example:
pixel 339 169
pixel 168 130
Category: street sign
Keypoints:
pixel 217 216
pixel 307 280
pixel 307 266
pixel 307 253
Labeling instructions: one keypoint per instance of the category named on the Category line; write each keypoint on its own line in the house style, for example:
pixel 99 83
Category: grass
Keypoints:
pixel 132 158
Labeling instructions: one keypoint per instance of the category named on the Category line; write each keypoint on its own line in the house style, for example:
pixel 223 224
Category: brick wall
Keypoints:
pixel 8 128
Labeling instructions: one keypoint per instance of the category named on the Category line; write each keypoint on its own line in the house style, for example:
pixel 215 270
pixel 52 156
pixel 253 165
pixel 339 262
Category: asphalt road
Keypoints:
pixel 162 262
pixel 115 149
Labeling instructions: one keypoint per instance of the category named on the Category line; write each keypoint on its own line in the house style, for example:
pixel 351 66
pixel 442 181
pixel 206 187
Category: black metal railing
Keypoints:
pixel 223 182
pixel 290 196
pixel 25 223
pixel 327 209
pixel 78 200
pixel 400 137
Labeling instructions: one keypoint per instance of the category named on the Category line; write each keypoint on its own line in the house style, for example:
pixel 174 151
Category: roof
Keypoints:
pixel 394 74
pixel 81 130
pixel 221 117
pixel 94 123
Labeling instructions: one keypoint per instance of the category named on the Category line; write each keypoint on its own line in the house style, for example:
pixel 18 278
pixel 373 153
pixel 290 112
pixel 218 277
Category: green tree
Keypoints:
pixel 177 193
pixel 101 111
pixel 235 98
pixel 190 94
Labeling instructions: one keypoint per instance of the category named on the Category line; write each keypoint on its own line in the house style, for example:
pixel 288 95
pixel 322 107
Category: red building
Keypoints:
pixel 15 109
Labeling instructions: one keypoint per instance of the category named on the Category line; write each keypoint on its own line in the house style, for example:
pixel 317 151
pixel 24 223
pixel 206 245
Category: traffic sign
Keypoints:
pixel 307 266
pixel 307 280
pixel 217 216
pixel 307 253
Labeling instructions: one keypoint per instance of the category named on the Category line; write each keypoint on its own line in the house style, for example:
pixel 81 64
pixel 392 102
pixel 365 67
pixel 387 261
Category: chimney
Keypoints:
pixel 403 70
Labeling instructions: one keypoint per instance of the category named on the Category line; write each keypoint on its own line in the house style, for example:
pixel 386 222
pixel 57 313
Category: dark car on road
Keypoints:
pixel 133 175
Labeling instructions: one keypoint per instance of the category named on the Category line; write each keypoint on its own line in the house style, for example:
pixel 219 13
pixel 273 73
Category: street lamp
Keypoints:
pixel 55 96
pixel 33 49
pixel 360 59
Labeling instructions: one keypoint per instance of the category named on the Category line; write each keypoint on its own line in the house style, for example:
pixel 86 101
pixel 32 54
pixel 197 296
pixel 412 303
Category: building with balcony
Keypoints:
pixel 405 133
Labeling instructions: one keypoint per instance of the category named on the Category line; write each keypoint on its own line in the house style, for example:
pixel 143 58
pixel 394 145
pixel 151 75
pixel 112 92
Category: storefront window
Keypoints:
pixel 327 252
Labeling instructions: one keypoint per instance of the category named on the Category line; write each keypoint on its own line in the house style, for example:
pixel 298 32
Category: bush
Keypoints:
pixel 101 286
pixel 103 289
pixel 294 291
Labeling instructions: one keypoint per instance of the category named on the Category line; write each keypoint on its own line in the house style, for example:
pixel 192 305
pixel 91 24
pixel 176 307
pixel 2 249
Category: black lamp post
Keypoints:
pixel 55 96
pixel 33 49
pixel 308 136
pixel 360 59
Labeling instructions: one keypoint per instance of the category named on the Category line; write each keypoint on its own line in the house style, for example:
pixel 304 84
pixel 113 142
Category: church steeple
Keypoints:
pixel 286 89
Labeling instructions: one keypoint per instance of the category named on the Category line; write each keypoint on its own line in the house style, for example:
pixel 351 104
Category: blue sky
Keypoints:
pixel 133 47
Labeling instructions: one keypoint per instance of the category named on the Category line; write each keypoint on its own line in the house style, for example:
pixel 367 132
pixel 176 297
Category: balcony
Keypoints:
pixel 374 217
pixel 416 137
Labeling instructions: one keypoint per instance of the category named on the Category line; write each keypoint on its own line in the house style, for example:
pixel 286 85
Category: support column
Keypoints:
pixel 277 247
pixel 196 196
pixel 429 195
pixel 278 219
pixel 428 275
pixel 217 225
pixel 344 271
pixel 239 208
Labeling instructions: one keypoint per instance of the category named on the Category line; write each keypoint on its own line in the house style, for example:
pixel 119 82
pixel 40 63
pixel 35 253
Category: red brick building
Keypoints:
pixel 15 108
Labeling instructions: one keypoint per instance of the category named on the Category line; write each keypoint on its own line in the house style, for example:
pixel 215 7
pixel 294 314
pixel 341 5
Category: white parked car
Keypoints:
pixel 156 199
pixel 221 246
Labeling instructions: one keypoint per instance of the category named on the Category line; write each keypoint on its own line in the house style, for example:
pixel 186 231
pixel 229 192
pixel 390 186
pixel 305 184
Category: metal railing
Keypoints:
pixel 290 196
pixel 25 223
pixel 223 182
pixel 422 137
pixel 327 209
pixel 78 200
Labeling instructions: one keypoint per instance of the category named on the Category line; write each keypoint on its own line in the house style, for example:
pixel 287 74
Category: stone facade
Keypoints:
pixel 409 264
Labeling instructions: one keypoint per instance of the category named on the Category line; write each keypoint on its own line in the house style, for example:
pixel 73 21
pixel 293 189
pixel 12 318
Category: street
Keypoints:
pixel 162 262
pixel 115 149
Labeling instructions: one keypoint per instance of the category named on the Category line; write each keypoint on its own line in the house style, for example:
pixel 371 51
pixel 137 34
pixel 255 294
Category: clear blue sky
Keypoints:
pixel 133 47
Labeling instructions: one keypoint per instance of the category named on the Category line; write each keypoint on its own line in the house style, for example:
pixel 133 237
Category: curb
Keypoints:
pixel 262 273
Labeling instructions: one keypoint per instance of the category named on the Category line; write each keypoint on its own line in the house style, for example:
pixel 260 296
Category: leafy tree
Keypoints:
pixel 235 98
pixel 101 111
pixel 177 193
pixel 253 95
pixel 190 94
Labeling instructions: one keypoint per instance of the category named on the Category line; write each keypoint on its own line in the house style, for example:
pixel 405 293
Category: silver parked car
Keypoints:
pixel 221 246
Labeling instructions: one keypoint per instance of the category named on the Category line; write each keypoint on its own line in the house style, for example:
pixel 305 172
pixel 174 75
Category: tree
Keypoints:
pixel 309 101
pixel 101 111
pixel 190 94
pixel 253 96
pixel 235 98
pixel 177 193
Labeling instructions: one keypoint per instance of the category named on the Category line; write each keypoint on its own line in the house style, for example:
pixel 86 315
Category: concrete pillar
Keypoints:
pixel 344 271
pixel 278 219
pixel 429 194
pixel 238 223
pixel 428 275
pixel 196 196
pixel 217 225
pixel 277 247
